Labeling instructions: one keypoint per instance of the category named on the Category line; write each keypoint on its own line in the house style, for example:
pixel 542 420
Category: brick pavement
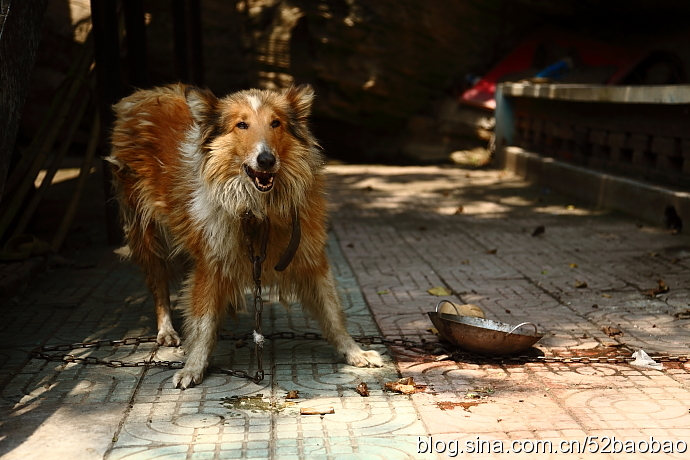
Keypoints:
pixel 396 233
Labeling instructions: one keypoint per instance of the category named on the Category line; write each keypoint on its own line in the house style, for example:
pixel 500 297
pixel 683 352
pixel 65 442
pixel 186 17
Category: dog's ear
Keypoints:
pixel 300 99
pixel 204 108
pixel 202 103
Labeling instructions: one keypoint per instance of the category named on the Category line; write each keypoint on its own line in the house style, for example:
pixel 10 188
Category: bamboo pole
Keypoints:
pixel 81 182
pixel 28 212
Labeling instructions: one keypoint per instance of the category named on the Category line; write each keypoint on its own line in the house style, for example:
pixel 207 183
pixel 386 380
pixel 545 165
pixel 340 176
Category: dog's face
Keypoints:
pixel 252 135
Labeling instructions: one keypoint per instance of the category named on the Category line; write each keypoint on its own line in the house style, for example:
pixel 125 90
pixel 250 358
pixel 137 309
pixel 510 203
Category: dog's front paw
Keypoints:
pixel 361 358
pixel 187 378
pixel 168 338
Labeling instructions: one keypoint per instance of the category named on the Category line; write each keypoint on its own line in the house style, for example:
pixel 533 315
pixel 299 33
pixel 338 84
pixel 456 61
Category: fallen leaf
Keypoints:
pixel 465 262
pixel 595 306
pixel 292 394
pixel 433 330
pixel 611 331
pixel 239 343
pixel 492 251
pixel 400 388
pixel 406 381
pixel 439 291
pixel 539 230
pixel 362 389
pixel 459 210
pixel 608 296
pixel 580 284
pixel 660 289
pixel 573 265
pixel 448 405
pixel 383 292
pixel 507 311
pixel 405 386
pixel 313 411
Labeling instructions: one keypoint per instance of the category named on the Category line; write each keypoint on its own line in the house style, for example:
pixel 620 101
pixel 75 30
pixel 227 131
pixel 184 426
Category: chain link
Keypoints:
pixel 249 221
pixel 55 353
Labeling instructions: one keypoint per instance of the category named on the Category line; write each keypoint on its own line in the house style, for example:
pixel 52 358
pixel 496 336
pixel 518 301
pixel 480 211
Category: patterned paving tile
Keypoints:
pixel 389 245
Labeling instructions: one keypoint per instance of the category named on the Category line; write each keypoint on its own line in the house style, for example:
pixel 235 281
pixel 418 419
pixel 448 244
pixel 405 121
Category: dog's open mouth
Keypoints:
pixel 263 181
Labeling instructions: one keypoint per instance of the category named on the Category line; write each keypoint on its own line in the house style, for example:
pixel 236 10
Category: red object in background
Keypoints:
pixel 603 63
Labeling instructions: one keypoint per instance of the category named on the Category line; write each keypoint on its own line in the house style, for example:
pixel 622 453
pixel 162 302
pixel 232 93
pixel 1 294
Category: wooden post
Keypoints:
pixel 189 51
pixel 137 61
pixel 109 90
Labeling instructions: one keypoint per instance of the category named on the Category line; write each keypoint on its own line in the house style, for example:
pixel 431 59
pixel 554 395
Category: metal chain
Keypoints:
pixel 256 262
pixel 48 353
pixel 51 352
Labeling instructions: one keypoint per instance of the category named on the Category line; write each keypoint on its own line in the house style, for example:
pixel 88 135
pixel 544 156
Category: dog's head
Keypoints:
pixel 258 136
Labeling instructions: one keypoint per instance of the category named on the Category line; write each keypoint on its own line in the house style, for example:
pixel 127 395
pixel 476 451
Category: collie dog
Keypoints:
pixel 187 167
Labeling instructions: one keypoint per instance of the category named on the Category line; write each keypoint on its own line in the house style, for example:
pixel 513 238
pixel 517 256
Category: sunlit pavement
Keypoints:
pixel 396 232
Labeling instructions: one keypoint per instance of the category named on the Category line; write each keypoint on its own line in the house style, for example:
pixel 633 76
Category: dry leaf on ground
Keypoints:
pixel 362 389
pixel 660 289
pixel 314 411
pixel 611 331
pixel 449 405
pixel 292 394
pixel 439 291
pixel 405 386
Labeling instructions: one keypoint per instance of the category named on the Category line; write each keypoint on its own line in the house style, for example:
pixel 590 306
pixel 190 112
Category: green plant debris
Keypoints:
pixel 255 404
pixel 478 393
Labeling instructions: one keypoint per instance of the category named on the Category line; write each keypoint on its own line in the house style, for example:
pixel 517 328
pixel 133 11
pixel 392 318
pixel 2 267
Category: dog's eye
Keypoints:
pixel 242 125
pixel 275 123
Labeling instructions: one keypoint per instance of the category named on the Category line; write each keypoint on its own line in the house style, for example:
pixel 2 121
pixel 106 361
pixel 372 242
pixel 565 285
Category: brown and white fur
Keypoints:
pixel 186 166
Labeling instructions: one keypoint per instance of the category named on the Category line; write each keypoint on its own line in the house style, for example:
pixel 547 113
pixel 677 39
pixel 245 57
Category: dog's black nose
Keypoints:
pixel 266 160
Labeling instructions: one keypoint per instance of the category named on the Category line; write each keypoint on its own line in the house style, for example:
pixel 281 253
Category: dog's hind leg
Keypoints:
pixel 205 299
pixel 146 249
pixel 319 298
pixel 157 281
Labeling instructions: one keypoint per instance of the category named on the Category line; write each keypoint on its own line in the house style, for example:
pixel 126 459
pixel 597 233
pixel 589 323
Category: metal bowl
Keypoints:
pixel 485 336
